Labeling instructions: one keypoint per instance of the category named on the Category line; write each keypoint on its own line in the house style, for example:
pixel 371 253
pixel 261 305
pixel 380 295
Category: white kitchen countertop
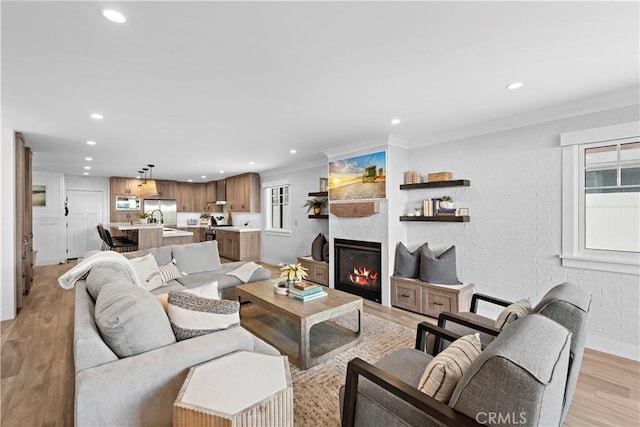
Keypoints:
pixel 172 232
pixel 237 229
pixel 127 226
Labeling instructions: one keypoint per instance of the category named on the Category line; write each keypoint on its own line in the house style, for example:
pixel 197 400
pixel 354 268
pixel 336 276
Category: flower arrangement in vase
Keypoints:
pixel 293 273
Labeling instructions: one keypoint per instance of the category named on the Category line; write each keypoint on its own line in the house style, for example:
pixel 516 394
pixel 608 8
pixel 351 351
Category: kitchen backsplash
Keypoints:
pixel 254 219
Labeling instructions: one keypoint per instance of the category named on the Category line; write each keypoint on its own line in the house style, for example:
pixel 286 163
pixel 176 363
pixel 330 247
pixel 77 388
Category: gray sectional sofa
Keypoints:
pixel 139 390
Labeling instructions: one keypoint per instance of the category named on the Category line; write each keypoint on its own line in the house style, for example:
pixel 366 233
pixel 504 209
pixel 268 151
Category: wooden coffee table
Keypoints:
pixel 301 330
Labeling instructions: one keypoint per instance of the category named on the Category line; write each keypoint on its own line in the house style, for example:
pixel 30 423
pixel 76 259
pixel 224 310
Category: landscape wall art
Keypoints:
pixel 357 178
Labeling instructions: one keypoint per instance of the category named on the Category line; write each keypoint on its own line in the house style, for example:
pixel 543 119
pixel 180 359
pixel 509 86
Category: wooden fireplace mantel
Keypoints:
pixel 354 209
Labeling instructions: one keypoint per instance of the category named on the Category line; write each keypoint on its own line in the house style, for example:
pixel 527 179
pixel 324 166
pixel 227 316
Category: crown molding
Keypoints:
pixel 610 101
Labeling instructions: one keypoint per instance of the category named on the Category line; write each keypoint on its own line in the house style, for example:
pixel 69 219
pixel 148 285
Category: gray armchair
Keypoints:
pixel 567 304
pixel 519 378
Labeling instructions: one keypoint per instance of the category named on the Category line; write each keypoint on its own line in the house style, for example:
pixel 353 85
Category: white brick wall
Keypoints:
pixel 510 248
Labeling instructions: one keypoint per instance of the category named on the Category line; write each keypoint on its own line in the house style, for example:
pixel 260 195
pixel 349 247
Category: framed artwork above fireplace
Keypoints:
pixel 358 178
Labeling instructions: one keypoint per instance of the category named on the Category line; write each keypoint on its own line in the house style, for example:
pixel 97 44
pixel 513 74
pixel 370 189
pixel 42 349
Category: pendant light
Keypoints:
pixel 148 187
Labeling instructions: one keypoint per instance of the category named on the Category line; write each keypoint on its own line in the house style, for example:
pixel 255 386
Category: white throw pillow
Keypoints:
pixel 147 270
pixel 191 315
pixel 206 291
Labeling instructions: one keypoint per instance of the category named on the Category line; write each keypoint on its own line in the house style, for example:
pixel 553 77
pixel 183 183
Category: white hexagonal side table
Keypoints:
pixel 242 389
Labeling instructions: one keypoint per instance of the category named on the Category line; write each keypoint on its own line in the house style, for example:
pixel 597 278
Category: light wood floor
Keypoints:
pixel 37 380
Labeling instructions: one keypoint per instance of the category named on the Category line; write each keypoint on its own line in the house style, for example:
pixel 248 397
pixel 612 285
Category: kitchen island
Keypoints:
pixel 151 235
pixel 239 243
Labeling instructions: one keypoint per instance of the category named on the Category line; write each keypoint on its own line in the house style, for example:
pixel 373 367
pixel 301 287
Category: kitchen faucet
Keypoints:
pixel 161 216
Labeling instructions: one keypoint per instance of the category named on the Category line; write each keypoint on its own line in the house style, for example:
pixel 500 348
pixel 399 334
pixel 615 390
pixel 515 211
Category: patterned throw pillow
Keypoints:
pixel 193 315
pixel 169 272
pixel 513 312
pixel 147 270
pixel 445 370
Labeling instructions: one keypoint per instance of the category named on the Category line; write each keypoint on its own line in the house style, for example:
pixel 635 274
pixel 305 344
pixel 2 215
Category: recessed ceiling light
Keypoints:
pixel 87 167
pixel 114 16
pixel 91 143
pixel 203 176
pixel 89 159
pixel 97 116
pixel 190 180
pixel 395 121
pixel 514 85
pixel 85 173
pixel 252 163
pixel 293 151
pixel 221 171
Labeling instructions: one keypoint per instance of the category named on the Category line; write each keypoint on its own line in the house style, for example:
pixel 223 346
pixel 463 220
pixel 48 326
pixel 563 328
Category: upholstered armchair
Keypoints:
pixel 567 304
pixel 519 378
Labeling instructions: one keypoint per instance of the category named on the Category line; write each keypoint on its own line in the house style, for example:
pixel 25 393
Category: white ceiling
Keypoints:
pixel 195 87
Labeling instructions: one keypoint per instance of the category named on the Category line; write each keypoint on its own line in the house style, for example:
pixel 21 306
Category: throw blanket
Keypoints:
pixel 68 280
pixel 244 272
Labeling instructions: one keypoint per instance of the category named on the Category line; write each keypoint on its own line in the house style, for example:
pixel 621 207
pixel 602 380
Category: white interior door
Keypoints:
pixel 85 213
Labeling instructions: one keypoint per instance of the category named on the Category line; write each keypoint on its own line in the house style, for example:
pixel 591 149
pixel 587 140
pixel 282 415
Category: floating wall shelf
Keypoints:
pixel 319 194
pixel 438 184
pixel 441 218
pixel 322 216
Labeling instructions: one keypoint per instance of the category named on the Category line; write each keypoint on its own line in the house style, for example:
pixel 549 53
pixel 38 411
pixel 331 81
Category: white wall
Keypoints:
pixel 49 225
pixel 511 245
pixel 279 248
pixel 7 225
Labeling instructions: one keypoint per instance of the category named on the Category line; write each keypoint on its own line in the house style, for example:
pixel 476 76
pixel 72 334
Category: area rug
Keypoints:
pixel 315 390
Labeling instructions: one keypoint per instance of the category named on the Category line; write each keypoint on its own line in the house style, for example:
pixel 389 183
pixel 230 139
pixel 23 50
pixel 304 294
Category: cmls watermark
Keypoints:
pixel 511 418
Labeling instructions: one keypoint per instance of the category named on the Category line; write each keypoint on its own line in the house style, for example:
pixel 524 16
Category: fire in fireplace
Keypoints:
pixel 358 266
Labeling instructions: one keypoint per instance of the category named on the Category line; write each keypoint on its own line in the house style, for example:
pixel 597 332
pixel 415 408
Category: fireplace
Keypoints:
pixel 358 267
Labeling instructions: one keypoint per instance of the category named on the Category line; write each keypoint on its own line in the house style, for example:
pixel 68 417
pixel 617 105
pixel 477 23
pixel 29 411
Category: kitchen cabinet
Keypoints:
pixel 430 299
pixel 190 197
pixel 239 246
pixel 166 189
pixel 23 221
pixel 210 197
pixel 123 186
pixel 243 193
pixel 221 189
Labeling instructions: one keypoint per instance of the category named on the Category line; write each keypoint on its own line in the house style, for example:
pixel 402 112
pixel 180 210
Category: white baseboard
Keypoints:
pixel 617 348
pixel 271 261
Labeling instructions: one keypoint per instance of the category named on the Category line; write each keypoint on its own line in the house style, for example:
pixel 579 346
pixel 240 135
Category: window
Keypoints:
pixel 601 198
pixel 279 213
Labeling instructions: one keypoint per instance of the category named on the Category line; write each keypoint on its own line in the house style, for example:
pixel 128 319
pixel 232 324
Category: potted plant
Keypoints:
pixel 316 205
pixel 293 273
pixel 446 202
pixel 144 217
pixel 204 218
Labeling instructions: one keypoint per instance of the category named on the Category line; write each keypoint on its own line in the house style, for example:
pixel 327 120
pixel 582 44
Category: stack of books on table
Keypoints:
pixel 306 291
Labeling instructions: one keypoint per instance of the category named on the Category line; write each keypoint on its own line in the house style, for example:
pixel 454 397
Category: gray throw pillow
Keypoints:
pixel 197 257
pixel 131 320
pixel 325 252
pixel 104 273
pixel 407 263
pixel 439 270
pixel 316 247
